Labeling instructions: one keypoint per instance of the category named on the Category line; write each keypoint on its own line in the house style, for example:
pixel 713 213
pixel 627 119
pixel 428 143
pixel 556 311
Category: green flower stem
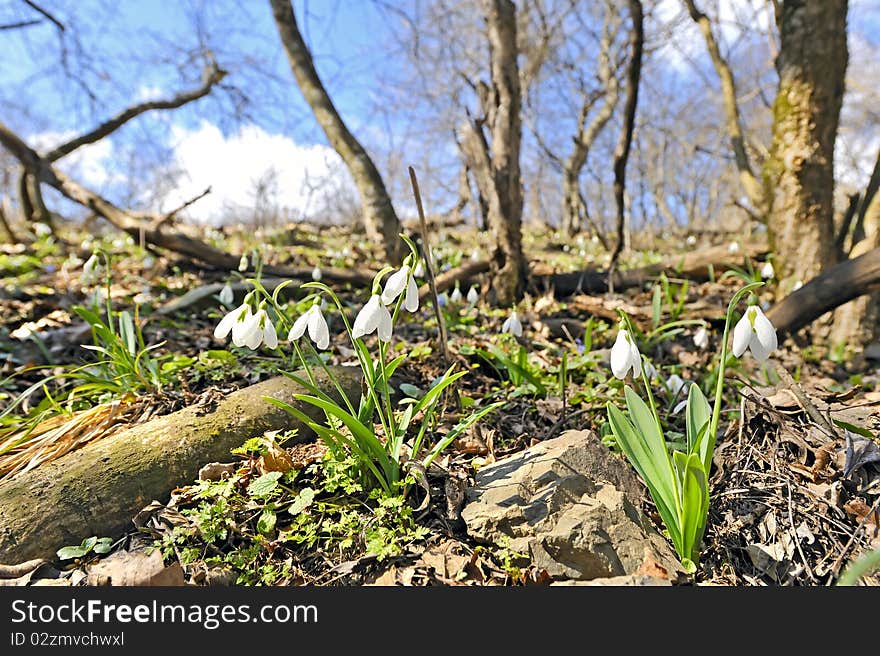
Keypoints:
pixel 719 384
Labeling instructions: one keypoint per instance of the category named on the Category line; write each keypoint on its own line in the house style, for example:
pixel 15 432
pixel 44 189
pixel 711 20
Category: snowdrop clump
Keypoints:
pixel 678 480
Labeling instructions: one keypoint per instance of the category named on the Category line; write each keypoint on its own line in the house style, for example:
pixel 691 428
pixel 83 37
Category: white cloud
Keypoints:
pixel 302 176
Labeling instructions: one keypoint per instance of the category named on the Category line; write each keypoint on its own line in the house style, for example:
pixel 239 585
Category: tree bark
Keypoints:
pixel 380 219
pixel 509 269
pixel 98 489
pixel 799 173
pixel 621 152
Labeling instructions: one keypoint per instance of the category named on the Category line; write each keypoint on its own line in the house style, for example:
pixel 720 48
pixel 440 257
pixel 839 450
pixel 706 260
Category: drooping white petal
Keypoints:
pixel 384 326
pixel 270 335
pixel 456 296
pixel 245 325
pixel 681 405
pixel 395 285
pixel 367 319
pixel 742 334
pixel 621 355
pixel 319 332
pixel 243 263
pixel 299 326
pixel 759 352
pixel 411 300
pixel 473 296
pixel 225 326
pixel 254 336
pixel 765 333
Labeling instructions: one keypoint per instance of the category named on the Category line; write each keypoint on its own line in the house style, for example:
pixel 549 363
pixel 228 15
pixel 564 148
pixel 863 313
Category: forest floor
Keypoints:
pixel 795 489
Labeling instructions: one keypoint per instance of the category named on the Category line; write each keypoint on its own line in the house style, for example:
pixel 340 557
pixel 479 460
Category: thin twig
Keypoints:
pixel 805 402
pixel 429 266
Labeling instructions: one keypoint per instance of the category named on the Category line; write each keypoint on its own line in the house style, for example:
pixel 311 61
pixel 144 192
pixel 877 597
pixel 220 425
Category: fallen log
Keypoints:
pixel 99 488
pixel 693 266
pixel 830 289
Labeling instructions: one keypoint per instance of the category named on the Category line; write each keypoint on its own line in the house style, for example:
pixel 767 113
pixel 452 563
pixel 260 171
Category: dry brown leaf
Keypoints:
pixel 215 471
pixel 274 459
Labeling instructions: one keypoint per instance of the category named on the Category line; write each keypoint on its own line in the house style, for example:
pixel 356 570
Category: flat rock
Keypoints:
pixel 571 505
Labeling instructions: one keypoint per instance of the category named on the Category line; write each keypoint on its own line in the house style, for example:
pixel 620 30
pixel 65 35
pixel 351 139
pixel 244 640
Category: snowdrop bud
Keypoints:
pixel 475 255
pixel 227 297
pixel 691 240
pixel 316 273
pixel 513 325
pixel 42 229
pixel 90 271
pixel 701 338
pixel 625 356
pixel 243 263
pixel 797 285
pixel 767 271
pixel 456 295
pixel 473 296
pixel 754 332
pixel 419 271
pixel 733 247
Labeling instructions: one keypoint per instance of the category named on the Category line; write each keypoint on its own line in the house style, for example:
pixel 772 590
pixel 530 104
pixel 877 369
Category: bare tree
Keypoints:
pixel 621 153
pixel 380 219
pixel 751 183
pixel 493 144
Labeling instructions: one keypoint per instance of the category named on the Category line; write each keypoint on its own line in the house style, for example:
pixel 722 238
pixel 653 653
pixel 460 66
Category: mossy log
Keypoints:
pixel 97 490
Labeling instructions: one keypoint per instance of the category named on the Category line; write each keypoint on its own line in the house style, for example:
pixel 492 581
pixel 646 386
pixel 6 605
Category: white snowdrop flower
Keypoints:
pixel 456 296
pixel 149 262
pixel 419 271
pixel 373 316
pixel 398 282
pixel 797 285
pixel 675 383
pixel 733 247
pixel 259 329
pixel 512 325
pixel 681 405
pixel 316 273
pixel 755 332
pixel 91 270
pixel 235 322
pixel 701 338
pixel 243 263
pixel 473 296
pixel 319 333
pixel 594 239
pixel 475 255
pixel 625 356
pixel 226 296
pixel 42 229
pixel 691 240
pixel 650 370
pixel 767 271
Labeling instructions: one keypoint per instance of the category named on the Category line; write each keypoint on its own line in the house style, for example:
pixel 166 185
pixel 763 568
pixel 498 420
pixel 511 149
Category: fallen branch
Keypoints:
pixel 830 289
pixel 97 489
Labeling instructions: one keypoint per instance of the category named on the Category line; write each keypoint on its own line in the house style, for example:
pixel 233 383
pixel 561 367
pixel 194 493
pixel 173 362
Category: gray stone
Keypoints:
pixel 571 505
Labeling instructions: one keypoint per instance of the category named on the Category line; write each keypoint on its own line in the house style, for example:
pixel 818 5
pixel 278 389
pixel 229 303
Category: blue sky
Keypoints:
pixel 132 49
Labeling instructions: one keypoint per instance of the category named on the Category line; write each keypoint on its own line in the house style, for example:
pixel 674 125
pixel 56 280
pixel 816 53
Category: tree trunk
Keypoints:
pixel 509 267
pixel 621 152
pixel 380 219
pixel 799 174
pixel 98 489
